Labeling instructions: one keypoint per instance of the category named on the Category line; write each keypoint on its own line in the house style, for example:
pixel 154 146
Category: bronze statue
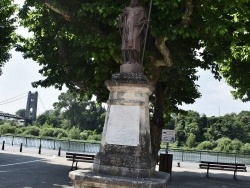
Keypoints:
pixel 133 22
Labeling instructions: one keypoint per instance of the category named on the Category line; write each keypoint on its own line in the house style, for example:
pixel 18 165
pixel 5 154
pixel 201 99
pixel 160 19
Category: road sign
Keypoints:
pixel 168 136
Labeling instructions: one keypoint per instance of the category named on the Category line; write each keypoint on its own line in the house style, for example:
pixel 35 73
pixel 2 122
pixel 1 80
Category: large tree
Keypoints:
pixel 78 44
pixel 7 20
pixel 86 114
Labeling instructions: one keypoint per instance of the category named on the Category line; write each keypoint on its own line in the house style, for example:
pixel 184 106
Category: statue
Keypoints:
pixel 133 23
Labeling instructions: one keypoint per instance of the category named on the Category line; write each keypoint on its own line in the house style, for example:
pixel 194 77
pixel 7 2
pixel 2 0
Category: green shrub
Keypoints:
pixel 96 137
pixel 21 131
pixel 236 145
pixel 206 145
pixel 74 133
pixel 6 128
pixel 245 148
pixel 31 130
pixel 60 133
pixel 223 144
pixel 84 135
pixel 191 140
pixel 47 132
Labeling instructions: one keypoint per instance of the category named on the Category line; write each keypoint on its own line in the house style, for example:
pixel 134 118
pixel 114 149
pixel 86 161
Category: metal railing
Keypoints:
pixel 66 145
pixel 89 147
pixel 212 156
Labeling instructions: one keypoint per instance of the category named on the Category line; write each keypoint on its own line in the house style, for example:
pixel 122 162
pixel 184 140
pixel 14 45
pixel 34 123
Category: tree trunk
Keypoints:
pixel 157 122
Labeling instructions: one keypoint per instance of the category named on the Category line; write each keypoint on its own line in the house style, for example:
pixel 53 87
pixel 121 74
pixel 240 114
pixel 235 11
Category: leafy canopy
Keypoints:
pixel 7 20
pixel 78 44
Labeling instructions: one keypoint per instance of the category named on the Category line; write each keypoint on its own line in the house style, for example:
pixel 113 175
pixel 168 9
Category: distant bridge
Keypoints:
pixel 9 116
pixel 30 111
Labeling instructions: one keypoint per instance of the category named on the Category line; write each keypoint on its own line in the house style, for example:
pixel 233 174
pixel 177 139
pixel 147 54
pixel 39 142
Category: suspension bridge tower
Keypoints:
pixel 31 107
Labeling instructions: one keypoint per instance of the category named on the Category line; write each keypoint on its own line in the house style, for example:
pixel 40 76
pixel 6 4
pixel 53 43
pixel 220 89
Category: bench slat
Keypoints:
pixel 79 157
pixel 208 162
pixel 223 166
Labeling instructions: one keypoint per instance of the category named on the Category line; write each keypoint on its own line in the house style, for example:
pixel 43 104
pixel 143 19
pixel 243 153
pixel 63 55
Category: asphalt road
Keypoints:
pixel 46 170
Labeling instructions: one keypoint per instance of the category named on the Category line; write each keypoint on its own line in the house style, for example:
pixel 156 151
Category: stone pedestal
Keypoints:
pixel 125 147
pixel 125 156
pixel 131 68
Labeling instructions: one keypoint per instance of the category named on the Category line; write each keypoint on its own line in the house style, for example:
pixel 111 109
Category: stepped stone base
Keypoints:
pixel 89 179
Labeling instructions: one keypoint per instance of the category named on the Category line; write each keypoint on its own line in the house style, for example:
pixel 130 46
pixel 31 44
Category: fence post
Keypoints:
pixel 54 144
pixel 217 157
pixel 182 155
pixel 3 145
pixel 235 158
pixel 200 155
pixel 39 150
pixel 84 148
pixel 59 151
pixel 12 140
pixel 26 139
pixel 21 147
pixel 69 146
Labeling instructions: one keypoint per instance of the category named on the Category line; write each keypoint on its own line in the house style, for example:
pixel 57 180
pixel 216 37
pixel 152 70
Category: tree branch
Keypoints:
pixel 186 18
pixel 66 14
pixel 160 44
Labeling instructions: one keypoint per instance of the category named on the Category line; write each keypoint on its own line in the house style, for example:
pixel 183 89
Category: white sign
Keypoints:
pixel 123 125
pixel 168 136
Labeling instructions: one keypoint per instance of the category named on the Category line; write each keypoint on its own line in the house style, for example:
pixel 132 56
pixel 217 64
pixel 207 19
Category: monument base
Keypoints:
pixel 131 68
pixel 89 179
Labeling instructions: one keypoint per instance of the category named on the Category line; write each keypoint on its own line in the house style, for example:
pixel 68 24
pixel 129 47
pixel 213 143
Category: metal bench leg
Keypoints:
pixel 207 173
pixel 235 175
pixel 72 166
pixel 76 164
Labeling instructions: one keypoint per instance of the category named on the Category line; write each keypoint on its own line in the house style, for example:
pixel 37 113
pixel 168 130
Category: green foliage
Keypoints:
pixel 236 145
pixel 74 133
pixel 205 145
pixel 85 114
pixel 31 131
pixel 47 132
pixel 96 137
pixel 7 128
pixel 50 117
pixel 21 113
pixel 191 140
pixel 227 133
pixel 245 148
pixel 60 133
pixel 7 28
pixel 84 135
pixel 223 144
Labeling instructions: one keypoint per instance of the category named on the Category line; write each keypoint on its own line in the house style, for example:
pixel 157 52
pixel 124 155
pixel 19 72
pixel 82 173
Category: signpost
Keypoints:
pixel 168 136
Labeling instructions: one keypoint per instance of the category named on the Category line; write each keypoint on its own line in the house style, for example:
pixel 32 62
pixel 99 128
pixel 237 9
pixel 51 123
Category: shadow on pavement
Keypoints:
pixel 189 179
pixel 19 171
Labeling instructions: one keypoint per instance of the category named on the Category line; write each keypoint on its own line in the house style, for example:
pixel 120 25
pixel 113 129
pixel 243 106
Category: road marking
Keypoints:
pixel 13 164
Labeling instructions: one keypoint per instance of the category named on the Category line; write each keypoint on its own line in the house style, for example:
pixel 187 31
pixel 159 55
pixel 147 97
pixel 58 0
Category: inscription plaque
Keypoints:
pixel 123 125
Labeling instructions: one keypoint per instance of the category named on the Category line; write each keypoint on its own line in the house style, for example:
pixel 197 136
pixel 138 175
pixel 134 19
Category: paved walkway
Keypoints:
pixel 189 175
pixel 46 170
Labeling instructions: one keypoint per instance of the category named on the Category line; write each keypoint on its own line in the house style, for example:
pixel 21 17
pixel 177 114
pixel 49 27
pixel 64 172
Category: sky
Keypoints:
pixel 19 73
pixel 15 83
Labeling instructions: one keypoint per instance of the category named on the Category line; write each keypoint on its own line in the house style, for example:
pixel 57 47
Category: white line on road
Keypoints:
pixel 13 164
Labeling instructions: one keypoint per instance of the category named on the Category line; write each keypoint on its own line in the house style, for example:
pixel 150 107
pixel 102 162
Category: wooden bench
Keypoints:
pixel 79 157
pixel 223 166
